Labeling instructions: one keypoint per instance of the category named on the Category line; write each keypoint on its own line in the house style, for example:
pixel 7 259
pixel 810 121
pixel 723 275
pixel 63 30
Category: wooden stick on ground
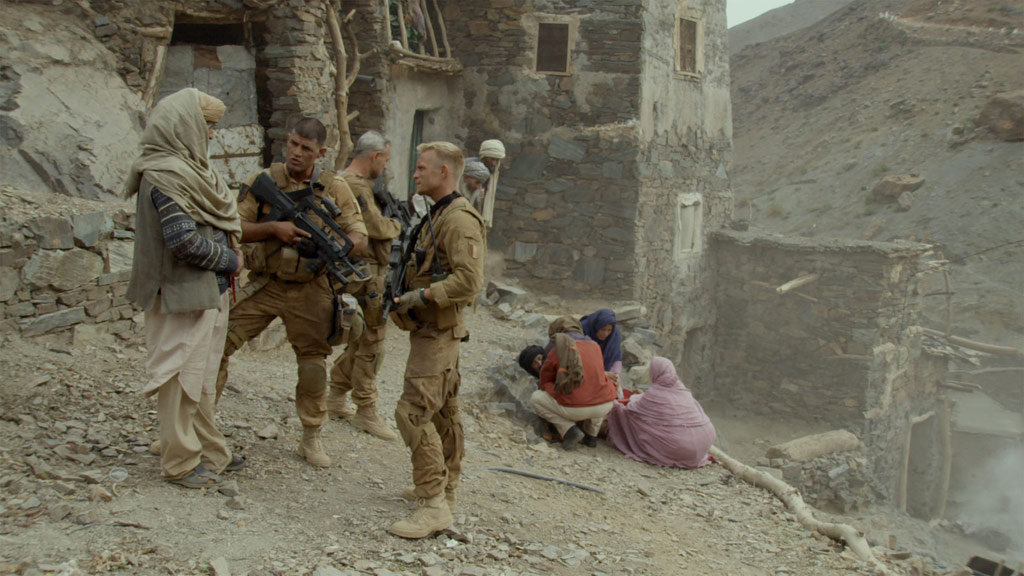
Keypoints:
pixel 791 498
pixel 974 345
pixel 541 477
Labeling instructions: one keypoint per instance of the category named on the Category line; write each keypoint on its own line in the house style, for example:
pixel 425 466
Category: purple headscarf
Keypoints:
pixel 611 347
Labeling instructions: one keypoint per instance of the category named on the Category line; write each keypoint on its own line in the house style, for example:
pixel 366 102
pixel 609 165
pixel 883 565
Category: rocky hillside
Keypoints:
pixel 886 88
pixel 781 21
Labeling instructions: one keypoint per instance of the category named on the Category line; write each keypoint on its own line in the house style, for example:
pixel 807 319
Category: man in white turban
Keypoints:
pixel 491 154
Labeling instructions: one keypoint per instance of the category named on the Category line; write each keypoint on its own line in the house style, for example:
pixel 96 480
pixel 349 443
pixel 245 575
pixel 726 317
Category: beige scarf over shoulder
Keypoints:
pixel 570 365
pixel 175 159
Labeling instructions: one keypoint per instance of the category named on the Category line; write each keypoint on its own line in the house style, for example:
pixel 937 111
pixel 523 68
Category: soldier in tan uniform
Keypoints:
pixel 282 286
pixel 444 275
pixel 355 370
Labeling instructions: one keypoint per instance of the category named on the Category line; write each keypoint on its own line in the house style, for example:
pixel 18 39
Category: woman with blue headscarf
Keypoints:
pixel 601 328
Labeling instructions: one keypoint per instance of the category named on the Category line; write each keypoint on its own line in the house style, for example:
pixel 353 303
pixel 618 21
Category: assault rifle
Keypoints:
pixel 389 206
pixel 395 283
pixel 333 246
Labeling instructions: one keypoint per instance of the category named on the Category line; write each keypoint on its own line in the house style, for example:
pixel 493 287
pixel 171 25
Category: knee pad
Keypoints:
pixel 312 375
pixel 235 340
pixel 412 424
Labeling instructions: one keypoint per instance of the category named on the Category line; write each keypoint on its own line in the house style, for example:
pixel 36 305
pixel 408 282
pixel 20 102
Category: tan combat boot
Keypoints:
pixel 367 420
pixel 432 516
pixel 409 493
pixel 312 449
pixel 338 406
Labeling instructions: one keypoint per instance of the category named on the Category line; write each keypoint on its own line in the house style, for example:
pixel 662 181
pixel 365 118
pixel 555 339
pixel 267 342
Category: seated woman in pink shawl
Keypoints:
pixel 665 425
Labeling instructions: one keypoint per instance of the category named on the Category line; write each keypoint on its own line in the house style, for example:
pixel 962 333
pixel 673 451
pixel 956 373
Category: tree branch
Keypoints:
pixel 843 533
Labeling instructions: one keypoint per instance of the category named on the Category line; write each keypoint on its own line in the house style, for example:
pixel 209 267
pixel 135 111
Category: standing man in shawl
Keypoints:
pixel 281 283
pixel 492 152
pixel 664 426
pixel 184 261
pixel 355 370
pixel 573 385
pixel 444 273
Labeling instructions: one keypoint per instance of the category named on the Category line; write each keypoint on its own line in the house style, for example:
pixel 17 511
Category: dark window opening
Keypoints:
pixel 209 34
pixel 687 46
pixel 264 98
pixel 415 139
pixel 553 48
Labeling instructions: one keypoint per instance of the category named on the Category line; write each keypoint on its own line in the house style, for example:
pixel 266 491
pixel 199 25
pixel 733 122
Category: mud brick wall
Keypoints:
pixel 60 272
pixel 831 350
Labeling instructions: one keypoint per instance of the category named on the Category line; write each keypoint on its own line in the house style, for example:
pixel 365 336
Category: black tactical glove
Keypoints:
pixel 306 248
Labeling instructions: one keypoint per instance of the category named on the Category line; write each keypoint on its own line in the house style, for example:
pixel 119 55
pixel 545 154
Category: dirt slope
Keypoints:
pixel 883 88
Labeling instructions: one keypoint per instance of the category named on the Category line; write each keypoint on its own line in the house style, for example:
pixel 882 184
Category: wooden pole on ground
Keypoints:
pixel 974 345
pixel 843 533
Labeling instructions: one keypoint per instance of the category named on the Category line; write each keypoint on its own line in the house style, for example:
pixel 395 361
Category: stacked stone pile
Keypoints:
pixel 64 263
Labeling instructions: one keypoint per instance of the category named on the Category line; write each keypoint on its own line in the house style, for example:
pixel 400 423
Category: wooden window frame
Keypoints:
pixel 698 45
pixel 570 29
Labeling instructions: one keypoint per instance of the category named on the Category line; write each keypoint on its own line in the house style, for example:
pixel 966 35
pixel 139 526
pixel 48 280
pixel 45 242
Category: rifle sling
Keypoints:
pixel 434 210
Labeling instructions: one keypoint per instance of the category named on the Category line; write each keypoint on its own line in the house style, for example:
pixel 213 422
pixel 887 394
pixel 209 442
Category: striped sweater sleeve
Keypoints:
pixel 185 243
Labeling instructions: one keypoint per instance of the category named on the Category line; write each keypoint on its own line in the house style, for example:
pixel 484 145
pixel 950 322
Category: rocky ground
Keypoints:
pixel 80 494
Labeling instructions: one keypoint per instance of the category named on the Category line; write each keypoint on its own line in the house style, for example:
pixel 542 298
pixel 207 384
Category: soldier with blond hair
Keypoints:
pixel 444 273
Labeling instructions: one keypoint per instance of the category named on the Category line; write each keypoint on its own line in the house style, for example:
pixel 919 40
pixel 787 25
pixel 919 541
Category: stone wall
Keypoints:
pixel 565 213
pixel 66 270
pixel 294 59
pixel 828 350
pixel 685 129
pixel 366 94
pixel 840 352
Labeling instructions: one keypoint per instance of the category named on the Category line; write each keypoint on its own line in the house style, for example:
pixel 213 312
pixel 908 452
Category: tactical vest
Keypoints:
pixel 272 256
pixel 421 272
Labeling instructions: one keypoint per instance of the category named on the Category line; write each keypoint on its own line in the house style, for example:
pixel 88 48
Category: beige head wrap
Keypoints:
pixel 564 325
pixel 492 149
pixel 212 108
pixel 175 160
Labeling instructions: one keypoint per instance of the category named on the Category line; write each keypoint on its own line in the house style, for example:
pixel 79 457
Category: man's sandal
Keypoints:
pixel 200 477
pixel 237 463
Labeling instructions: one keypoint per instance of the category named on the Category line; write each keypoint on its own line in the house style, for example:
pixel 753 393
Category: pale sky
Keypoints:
pixel 739 11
